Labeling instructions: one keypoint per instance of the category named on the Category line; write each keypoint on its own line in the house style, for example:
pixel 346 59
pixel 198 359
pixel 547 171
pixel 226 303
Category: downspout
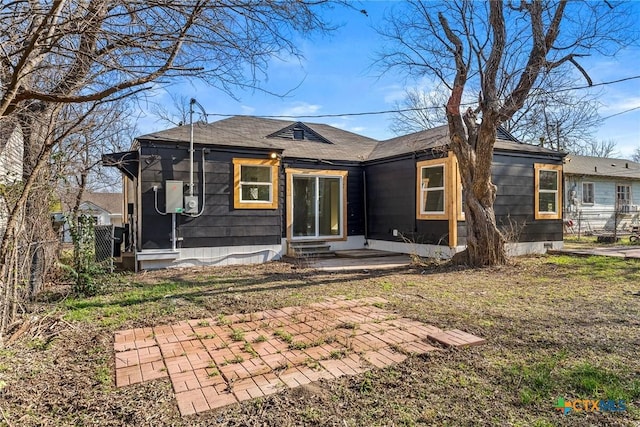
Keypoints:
pixel 415 195
pixel 366 210
pixel 137 208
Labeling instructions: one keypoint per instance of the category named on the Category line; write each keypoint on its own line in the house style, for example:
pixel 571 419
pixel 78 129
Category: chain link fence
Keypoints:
pixel 106 245
pixel 612 223
pixel 34 261
pixel 103 245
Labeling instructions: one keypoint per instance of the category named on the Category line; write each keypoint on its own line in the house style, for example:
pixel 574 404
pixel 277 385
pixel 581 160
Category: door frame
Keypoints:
pixel 322 173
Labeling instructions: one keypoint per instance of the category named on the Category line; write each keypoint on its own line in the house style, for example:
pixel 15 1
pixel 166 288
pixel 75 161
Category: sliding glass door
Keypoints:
pixel 317 206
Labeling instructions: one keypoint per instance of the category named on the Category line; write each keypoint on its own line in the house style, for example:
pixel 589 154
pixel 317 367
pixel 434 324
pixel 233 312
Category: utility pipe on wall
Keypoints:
pixel 193 102
pixel 173 232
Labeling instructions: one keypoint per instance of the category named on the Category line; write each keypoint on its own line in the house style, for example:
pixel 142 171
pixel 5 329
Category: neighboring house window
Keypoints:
pixel 431 189
pixel 255 183
pixel 588 194
pixel 623 197
pixel 547 191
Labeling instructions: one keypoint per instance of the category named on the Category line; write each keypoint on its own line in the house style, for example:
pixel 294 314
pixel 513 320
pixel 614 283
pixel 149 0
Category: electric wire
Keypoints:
pixel 406 110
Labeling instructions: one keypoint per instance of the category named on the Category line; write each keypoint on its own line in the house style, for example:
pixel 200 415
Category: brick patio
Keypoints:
pixel 215 362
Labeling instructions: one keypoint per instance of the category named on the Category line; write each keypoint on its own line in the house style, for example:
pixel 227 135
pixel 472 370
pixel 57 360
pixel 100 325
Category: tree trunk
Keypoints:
pixel 28 221
pixel 485 242
pixel 473 147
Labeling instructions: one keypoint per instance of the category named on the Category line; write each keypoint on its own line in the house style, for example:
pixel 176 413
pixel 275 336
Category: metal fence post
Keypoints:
pixel 579 224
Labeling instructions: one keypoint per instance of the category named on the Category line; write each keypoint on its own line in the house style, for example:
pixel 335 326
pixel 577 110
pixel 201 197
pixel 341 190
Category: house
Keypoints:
pixel 601 194
pixel 416 192
pixel 11 163
pixel 258 189
pixel 104 208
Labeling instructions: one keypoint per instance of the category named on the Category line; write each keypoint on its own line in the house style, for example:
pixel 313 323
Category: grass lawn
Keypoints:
pixel 587 242
pixel 556 326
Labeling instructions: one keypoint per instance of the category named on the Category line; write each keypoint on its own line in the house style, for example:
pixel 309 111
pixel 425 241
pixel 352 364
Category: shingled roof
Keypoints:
pixel 319 141
pixel 110 202
pixel 603 167
pixel 439 137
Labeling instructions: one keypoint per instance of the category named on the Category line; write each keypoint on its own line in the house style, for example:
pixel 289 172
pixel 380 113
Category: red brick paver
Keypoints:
pixel 456 338
pixel 216 362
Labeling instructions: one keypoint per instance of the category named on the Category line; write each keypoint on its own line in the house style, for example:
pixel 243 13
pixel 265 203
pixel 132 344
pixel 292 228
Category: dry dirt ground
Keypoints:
pixel 556 327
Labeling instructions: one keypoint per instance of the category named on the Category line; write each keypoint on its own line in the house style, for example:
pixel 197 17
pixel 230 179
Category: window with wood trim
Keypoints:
pixel 460 203
pixel 588 194
pixel 548 194
pixel 255 183
pixel 431 186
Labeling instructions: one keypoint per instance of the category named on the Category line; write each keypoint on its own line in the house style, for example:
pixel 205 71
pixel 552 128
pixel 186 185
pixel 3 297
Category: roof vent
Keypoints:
pixel 626 165
pixel 595 168
pixel 298 133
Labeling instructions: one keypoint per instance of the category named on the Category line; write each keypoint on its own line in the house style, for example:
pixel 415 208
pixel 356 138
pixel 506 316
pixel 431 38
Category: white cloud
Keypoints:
pixel 396 93
pixel 616 104
pixel 287 60
pixel 247 110
pixel 432 88
pixel 300 109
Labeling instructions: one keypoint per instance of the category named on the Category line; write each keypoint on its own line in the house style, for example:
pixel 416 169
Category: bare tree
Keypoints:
pixel 177 114
pixel 60 52
pixel 505 50
pixel 112 48
pixel 76 160
pixel 636 155
pixel 604 148
pixel 555 115
pixel 418 111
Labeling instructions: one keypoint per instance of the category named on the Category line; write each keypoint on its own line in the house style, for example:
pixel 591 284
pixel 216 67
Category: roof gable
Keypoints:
pixel 299 132
pixel 321 142
pixel 502 133
pixel 87 206
pixel 108 202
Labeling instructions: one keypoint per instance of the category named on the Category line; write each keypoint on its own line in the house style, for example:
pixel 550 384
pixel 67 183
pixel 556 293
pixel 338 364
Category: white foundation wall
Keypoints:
pixel 425 251
pixel 218 256
pixel 352 242
pixel 228 255
pixel 444 252
pixel 256 254
pixel 530 248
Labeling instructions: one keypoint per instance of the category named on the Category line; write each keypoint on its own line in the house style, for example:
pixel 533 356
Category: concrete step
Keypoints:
pixel 310 250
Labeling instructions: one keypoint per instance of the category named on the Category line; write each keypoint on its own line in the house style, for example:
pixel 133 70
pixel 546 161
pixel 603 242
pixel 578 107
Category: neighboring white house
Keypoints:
pixel 11 161
pixel 601 192
pixel 105 208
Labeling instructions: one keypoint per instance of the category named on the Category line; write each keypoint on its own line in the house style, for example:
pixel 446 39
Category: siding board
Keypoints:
pixel 391 199
pixel 219 224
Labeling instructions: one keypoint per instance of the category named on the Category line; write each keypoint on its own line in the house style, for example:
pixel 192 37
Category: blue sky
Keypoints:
pixel 336 76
